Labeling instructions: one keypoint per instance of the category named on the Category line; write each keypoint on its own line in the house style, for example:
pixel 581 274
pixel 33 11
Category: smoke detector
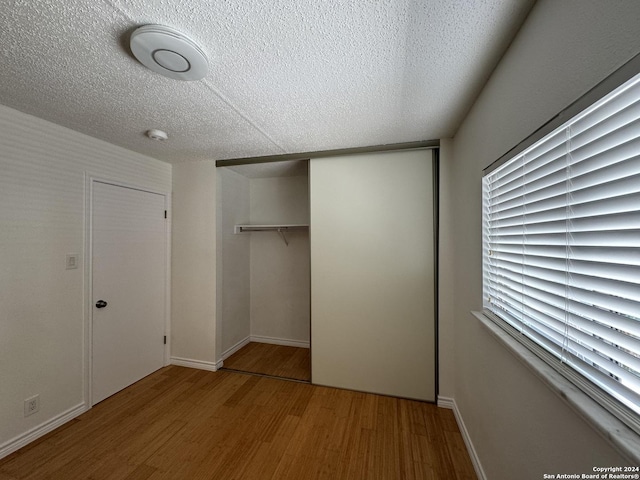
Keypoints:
pixel 169 52
pixel 155 134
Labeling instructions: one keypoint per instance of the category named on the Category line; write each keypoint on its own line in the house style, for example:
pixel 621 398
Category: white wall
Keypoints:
pixel 280 289
pixel 193 265
pixel 42 323
pixel 263 283
pixel 519 428
pixel 280 200
pixel 234 256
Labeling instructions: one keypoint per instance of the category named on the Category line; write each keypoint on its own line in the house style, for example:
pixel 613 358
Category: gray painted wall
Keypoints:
pixel 519 428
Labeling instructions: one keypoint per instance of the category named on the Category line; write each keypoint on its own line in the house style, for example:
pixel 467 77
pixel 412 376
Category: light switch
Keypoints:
pixel 72 261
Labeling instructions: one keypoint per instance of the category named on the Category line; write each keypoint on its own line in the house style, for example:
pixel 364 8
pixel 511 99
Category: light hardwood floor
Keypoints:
pixel 275 360
pixel 181 423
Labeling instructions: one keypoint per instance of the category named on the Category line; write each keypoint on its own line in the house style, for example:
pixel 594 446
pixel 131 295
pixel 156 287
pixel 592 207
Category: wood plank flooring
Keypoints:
pixel 274 360
pixel 181 423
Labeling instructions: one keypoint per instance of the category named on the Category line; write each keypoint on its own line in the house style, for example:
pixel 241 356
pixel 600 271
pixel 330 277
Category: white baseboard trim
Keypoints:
pixel 279 341
pixel 29 436
pixel 446 402
pixel 230 351
pixel 450 403
pixel 199 364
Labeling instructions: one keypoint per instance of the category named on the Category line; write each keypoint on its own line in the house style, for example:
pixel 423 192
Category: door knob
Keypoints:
pixel 101 304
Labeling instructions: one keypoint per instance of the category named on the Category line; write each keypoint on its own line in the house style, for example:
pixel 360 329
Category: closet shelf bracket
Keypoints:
pixel 283 236
pixel 280 229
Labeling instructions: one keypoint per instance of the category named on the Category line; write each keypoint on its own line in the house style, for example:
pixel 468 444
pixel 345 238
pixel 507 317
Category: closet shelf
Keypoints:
pixel 281 229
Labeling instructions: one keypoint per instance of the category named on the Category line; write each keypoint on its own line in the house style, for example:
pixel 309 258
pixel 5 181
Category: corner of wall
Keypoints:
pixel 193 265
pixel 446 257
pixel 450 403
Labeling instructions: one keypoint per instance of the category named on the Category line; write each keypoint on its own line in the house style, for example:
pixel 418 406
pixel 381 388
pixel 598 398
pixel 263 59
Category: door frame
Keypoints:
pixel 90 181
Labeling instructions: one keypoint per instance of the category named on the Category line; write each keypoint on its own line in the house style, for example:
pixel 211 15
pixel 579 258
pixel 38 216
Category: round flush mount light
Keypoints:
pixel 169 52
pixel 155 134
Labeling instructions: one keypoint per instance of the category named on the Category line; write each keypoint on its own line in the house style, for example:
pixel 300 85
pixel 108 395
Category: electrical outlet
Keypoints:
pixel 31 405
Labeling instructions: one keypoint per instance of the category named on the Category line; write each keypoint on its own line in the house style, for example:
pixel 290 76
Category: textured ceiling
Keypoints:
pixel 285 76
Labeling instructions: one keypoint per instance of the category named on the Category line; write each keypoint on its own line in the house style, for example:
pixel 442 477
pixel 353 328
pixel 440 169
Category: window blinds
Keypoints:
pixel 562 244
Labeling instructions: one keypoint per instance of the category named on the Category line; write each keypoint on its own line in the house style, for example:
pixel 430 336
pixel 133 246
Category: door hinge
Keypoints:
pixel 165 214
pixel 165 339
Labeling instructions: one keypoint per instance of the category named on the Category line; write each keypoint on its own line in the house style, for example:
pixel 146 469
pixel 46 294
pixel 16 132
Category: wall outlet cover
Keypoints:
pixel 31 405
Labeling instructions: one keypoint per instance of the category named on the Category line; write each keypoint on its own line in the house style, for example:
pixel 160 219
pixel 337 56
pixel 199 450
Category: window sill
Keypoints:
pixel 621 437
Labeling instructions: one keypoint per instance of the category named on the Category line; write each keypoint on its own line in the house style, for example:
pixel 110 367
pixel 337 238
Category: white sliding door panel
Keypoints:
pixel 129 275
pixel 372 273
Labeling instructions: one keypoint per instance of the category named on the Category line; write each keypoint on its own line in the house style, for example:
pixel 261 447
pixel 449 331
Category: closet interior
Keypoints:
pixel 263 298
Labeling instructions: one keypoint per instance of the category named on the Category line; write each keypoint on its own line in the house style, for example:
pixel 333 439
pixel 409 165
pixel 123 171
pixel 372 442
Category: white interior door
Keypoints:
pixel 372 273
pixel 128 286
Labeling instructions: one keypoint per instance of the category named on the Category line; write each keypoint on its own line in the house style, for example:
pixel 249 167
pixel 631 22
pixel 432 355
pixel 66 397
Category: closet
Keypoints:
pixel 263 270
pixel 336 253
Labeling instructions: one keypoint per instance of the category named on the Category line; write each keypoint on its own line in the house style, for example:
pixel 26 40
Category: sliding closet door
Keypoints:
pixel 372 273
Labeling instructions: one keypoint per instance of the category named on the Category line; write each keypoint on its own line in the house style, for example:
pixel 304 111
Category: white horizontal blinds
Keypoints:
pixel 562 243
pixel 604 245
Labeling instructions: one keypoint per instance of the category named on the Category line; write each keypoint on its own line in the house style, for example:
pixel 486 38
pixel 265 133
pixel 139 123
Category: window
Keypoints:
pixel 561 228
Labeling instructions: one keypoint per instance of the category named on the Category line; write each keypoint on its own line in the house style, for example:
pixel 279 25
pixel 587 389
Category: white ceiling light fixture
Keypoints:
pixel 169 52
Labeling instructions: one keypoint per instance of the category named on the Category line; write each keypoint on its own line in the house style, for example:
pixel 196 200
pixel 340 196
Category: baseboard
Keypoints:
pixel 450 403
pixel 230 351
pixel 279 341
pixel 191 363
pixel 446 402
pixel 42 429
